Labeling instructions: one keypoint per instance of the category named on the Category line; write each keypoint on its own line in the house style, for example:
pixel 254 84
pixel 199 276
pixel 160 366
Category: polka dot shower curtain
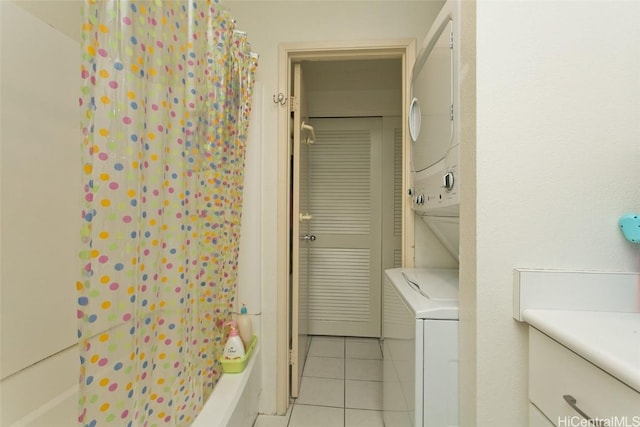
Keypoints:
pixel 166 90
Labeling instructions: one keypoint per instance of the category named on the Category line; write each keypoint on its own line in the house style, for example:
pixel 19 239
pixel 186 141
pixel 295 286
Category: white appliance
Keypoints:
pixel 420 306
pixel 434 126
pixel 420 347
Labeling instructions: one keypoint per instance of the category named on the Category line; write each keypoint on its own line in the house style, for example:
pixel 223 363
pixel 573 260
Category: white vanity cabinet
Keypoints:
pixel 584 346
pixel 567 389
pixel 537 418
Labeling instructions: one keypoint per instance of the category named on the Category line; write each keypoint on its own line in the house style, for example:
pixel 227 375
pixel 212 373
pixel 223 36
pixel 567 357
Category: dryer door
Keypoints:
pixel 432 86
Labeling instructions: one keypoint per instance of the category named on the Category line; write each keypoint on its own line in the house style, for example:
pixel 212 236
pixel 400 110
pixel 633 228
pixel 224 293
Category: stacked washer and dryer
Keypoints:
pixel 420 306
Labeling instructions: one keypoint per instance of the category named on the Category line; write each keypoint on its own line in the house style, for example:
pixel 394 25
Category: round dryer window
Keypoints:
pixel 415 119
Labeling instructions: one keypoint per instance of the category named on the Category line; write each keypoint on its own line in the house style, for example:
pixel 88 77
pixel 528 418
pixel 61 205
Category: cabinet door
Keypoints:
pixel 556 372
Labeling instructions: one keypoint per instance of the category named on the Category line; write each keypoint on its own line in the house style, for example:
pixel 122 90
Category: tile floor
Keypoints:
pixel 341 386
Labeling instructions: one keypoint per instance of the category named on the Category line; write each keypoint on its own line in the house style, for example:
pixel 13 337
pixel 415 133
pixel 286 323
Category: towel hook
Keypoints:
pixel 280 99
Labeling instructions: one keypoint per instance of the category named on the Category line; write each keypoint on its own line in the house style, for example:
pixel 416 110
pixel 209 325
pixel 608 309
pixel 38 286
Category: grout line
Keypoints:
pixel 344 384
pixel 50 356
pixel 315 405
pixel 291 412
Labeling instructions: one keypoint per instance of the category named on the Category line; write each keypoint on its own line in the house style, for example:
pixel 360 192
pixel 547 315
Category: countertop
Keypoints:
pixel 609 340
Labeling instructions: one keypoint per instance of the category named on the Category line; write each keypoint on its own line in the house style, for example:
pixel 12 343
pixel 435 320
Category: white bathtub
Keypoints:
pixel 44 394
pixel 30 402
pixel 234 401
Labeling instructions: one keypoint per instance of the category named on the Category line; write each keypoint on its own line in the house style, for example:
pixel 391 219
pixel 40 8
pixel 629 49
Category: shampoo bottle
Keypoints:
pixel 233 349
pixel 245 327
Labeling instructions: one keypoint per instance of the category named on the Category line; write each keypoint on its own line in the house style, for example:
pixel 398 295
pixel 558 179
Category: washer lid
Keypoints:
pixel 435 295
pixel 437 285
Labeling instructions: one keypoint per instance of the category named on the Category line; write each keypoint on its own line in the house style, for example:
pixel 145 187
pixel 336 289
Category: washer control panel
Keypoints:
pixel 435 190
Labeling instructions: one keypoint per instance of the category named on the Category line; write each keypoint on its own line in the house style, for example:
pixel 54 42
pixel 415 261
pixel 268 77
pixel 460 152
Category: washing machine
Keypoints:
pixel 420 347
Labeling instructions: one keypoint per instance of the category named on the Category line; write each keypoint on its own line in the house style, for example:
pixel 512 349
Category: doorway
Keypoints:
pixel 320 56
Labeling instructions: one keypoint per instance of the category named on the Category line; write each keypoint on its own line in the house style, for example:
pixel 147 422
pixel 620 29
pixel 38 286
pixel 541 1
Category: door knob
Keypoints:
pixel 309 237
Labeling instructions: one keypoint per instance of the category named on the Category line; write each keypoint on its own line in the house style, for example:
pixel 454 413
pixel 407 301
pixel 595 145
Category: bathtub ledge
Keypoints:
pixel 226 397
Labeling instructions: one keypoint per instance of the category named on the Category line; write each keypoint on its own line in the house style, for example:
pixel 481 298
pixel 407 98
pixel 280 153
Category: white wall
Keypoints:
pixel 558 161
pixel 249 288
pixel 353 88
pixel 40 170
pixel 468 207
pixel 269 23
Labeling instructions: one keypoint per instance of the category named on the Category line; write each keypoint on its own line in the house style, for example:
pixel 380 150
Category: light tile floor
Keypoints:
pixel 341 386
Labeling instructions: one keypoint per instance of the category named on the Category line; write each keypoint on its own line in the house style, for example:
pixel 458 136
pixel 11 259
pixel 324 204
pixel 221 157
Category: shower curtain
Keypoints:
pixel 165 102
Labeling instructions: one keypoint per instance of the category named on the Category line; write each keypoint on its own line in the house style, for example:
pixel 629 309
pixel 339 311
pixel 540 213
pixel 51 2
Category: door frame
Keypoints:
pixel 405 50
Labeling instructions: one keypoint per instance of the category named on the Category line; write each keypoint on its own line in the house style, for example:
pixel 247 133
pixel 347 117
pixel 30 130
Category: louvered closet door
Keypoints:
pixel 392 193
pixel 346 200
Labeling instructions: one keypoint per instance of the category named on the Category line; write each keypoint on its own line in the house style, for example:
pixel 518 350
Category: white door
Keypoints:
pixel 392 193
pixel 346 200
pixel 301 237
